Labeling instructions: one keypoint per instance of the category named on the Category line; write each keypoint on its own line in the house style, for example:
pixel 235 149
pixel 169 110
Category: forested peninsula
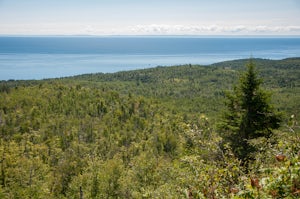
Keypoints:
pixel 227 130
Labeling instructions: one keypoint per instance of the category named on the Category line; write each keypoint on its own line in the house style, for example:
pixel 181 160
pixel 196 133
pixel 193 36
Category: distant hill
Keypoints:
pixel 204 85
pixel 192 88
pixel 289 63
pixel 195 71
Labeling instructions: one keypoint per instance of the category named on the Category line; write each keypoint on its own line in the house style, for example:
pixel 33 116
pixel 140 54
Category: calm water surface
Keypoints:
pixel 47 57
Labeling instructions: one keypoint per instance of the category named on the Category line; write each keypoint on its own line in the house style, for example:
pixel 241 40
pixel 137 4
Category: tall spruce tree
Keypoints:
pixel 249 114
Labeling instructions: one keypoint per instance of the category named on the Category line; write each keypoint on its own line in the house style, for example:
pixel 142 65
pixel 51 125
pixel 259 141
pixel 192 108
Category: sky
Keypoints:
pixel 149 17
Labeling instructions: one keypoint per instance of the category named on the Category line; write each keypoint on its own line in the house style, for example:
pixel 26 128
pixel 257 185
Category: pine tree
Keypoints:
pixel 249 115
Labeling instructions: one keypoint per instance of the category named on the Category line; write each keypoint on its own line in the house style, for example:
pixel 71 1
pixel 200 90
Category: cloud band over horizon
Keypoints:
pixel 141 17
pixel 214 29
pixel 152 29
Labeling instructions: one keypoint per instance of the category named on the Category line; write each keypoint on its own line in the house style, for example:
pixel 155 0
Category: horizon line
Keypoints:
pixel 151 35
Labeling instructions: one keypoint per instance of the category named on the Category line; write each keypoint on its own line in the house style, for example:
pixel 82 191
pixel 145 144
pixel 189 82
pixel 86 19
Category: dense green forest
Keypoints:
pixel 152 133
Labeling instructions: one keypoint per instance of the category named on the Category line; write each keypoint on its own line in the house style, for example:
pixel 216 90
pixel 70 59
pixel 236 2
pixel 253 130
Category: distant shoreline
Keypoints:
pixel 213 64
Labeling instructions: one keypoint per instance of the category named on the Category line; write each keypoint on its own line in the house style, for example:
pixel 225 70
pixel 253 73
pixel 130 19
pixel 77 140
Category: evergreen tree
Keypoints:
pixel 249 114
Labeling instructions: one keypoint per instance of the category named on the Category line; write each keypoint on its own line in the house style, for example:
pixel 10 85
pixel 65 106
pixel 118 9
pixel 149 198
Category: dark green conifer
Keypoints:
pixel 249 114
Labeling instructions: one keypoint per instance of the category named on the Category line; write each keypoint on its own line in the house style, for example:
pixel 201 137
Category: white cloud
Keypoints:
pixel 213 29
pixel 152 29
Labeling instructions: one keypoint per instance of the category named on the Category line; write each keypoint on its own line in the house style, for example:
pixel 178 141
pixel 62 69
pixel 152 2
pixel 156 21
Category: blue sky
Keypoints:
pixel 149 17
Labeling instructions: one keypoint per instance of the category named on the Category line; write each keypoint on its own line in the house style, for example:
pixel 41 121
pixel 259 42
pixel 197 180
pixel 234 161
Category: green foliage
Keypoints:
pixel 249 116
pixel 142 134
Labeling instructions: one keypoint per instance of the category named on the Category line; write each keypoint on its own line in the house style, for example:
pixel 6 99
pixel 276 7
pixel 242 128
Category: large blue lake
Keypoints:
pixel 48 57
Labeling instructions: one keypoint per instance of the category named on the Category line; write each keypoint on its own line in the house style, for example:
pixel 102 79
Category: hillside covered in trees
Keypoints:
pixel 152 133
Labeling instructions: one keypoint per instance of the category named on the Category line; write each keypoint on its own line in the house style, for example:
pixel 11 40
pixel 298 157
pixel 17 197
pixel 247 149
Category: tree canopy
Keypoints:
pixel 148 134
